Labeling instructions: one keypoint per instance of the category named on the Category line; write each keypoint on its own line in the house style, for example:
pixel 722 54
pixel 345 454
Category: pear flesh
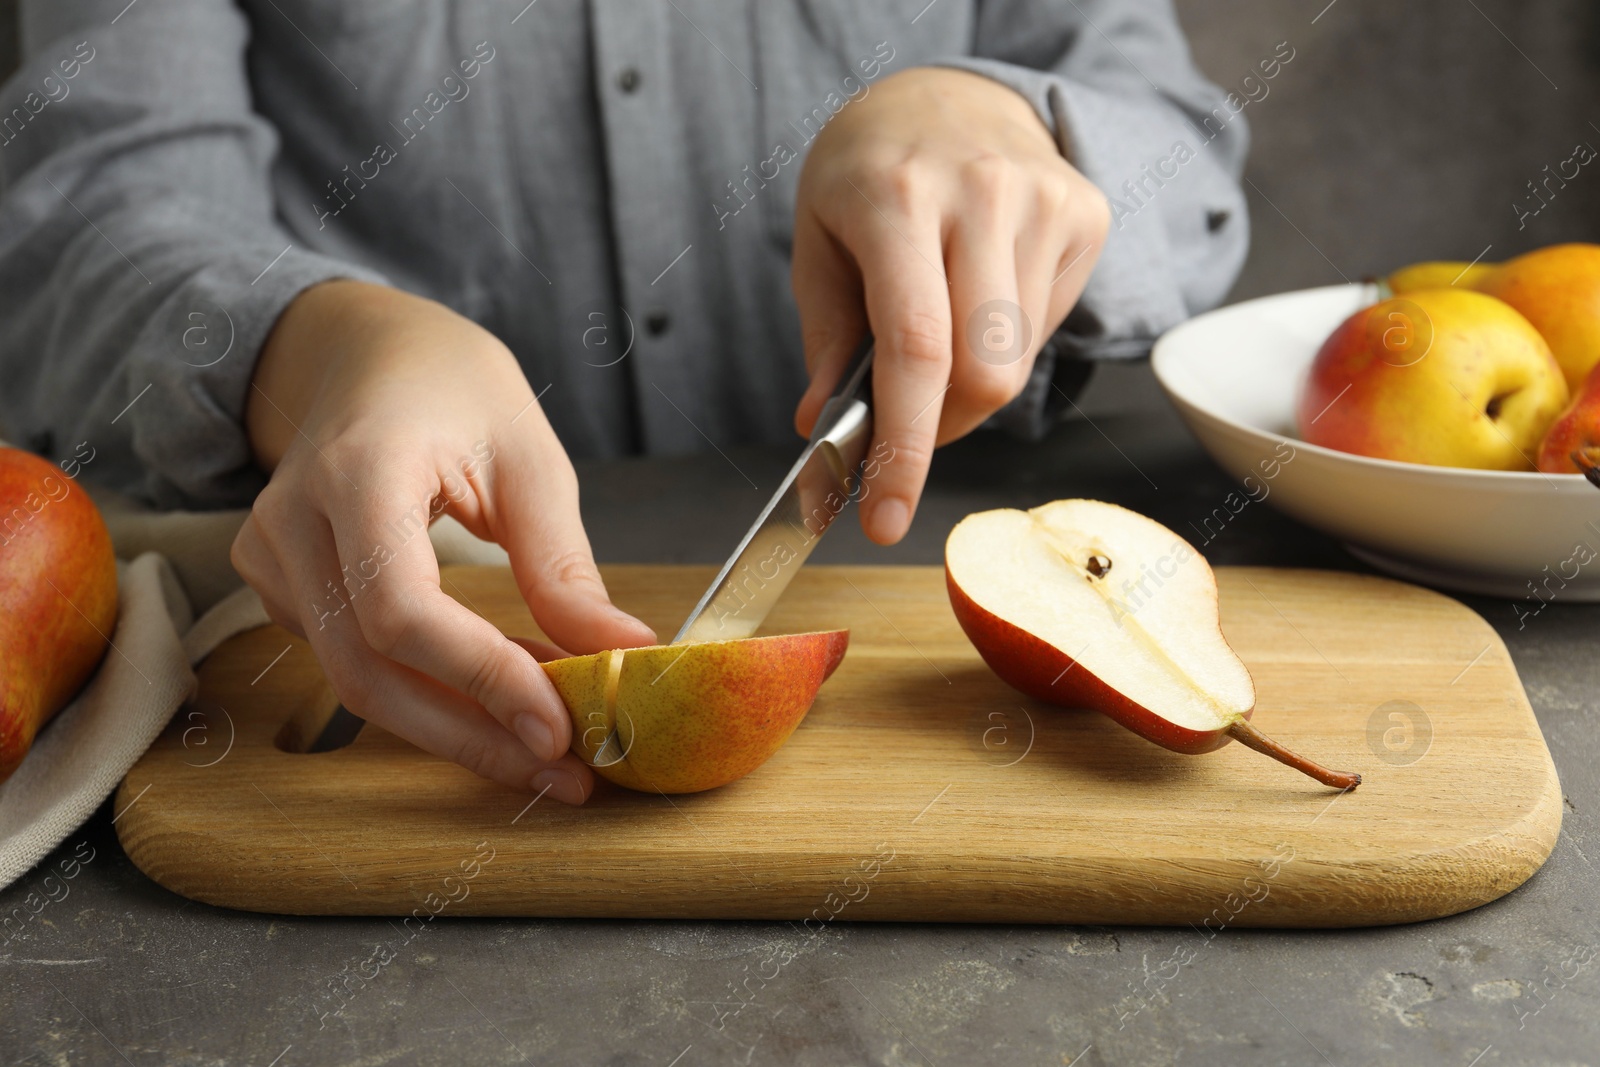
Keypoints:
pixel 1086 604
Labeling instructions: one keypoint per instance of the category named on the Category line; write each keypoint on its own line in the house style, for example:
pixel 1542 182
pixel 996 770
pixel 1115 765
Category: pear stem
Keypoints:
pixel 1581 458
pixel 1248 736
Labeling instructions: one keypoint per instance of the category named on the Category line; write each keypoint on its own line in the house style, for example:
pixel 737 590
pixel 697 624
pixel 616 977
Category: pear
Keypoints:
pixel 1437 274
pixel 1556 288
pixel 1572 444
pixel 58 597
pixel 1449 377
pixel 1087 604
pixel 694 716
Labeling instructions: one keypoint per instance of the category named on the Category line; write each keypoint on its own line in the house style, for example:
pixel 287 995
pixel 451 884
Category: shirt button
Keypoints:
pixel 628 80
pixel 657 322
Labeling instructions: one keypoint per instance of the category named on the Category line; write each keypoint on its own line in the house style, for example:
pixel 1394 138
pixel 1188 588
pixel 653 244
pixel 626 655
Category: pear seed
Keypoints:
pixel 1099 565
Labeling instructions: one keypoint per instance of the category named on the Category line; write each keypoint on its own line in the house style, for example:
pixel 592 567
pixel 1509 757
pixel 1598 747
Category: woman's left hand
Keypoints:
pixel 938 212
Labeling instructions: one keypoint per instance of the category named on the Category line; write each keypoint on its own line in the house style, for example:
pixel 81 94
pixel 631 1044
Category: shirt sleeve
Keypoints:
pixel 1114 81
pixel 141 258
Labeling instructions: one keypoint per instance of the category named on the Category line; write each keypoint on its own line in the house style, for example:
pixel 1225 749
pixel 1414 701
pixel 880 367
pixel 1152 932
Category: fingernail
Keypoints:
pixel 536 735
pixel 562 785
pixel 889 520
pixel 634 624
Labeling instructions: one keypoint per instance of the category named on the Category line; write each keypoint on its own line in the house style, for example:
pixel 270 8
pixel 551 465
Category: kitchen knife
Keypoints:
pixel 811 496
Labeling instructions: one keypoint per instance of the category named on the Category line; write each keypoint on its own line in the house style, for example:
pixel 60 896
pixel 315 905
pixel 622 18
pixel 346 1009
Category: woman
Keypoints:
pixel 362 262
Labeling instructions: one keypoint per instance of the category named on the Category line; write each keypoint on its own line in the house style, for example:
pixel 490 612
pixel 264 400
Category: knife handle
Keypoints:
pixel 855 386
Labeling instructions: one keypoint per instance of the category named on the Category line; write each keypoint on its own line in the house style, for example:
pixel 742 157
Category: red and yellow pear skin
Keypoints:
pixel 58 597
pixel 1448 377
pixel 1437 274
pixel 1044 672
pixel 1556 288
pixel 694 717
pixel 1577 429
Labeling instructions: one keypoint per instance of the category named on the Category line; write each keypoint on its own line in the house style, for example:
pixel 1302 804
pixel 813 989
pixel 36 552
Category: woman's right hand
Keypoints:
pixel 376 411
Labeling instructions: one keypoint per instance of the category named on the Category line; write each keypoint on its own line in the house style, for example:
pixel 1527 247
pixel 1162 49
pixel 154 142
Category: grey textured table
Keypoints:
pixel 122 971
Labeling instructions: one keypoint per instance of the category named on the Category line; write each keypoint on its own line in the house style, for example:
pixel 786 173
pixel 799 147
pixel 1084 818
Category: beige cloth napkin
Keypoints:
pixel 180 599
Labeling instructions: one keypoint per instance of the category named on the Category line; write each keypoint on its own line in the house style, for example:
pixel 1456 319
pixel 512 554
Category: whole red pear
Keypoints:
pixel 58 597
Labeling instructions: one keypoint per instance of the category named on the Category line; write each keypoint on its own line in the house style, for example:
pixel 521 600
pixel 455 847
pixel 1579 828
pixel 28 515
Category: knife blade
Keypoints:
pixel 811 496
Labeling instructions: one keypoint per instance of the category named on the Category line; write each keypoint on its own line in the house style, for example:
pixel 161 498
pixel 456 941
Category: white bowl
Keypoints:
pixel 1235 374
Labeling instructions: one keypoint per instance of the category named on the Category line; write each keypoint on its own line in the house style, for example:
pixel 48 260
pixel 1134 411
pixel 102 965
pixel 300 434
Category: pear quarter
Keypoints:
pixel 694 717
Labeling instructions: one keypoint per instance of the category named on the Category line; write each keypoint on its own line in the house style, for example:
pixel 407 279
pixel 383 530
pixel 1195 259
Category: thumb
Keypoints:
pixel 536 519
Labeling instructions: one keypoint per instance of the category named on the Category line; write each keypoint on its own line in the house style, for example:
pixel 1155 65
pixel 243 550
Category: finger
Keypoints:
pixel 993 342
pixel 1054 261
pixel 543 651
pixel 827 288
pixel 532 511
pixel 1048 290
pixel 1044 302
pixel 256 564
pixel 1071 257
pixel 388 573
pixel 908 306
pixel 440 720
pixel 431 715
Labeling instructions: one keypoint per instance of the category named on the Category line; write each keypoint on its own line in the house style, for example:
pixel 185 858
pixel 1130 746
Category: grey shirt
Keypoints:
pixel 607 185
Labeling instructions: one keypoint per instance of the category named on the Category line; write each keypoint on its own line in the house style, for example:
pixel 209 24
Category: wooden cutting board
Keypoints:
pixel 920 787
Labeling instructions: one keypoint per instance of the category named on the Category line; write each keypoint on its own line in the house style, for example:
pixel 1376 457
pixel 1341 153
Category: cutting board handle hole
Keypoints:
pixel 321 725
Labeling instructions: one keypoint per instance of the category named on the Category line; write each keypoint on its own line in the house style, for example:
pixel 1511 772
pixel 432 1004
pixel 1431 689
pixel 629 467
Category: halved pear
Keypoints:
pixel 693 717
pixel 1087 604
